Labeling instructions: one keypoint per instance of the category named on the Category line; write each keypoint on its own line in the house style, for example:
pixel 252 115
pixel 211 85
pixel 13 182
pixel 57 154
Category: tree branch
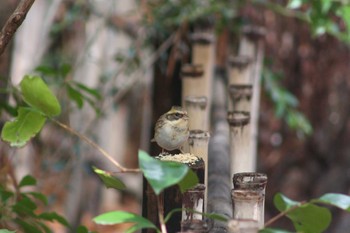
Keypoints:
pixel 13 23
pixel 97 147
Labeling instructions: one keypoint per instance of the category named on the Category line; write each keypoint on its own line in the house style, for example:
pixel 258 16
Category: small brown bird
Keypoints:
pixel 172 129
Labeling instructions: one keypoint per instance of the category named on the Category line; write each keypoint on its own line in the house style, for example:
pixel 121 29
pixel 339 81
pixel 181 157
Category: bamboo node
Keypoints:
pixel 192 70
pixel 238 118
pixel 254 32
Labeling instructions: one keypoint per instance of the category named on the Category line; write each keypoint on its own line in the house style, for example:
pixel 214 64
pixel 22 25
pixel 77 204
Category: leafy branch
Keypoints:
pixel 308 217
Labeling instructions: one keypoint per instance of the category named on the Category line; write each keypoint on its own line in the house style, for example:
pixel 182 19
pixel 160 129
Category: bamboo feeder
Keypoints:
pixel 242 226
pixel 198 142
pixel 196 109
pixel 251 46
pixel 241 159
pixel 203 53
pixel 172 198
pixel 248 196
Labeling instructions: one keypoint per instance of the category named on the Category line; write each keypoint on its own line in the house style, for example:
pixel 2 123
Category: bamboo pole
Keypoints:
pixel 248 196
pixel 203 53
pixel 240 97
pixel 193 199
pixel 241 159
pixel 242 226
pixel 198 145
pixel 196 108
pixel 193 83
pixel 251 46
pixel 240 84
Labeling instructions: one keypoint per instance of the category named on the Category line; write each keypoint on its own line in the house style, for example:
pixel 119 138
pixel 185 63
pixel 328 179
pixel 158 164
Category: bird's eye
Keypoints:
pixel 178 115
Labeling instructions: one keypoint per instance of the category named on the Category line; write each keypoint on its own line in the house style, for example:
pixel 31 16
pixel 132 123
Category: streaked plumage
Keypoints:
pixel 172 129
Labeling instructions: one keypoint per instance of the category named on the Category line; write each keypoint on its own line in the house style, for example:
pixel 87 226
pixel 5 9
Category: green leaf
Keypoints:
pixel 341 201
pixel 27 227
pixel 76 96
pixel 283 203
pixel 5 195
pixel 82 229
pixel 25 206
pixel 163 174
pixel 272 230
pixel 109 180
pixel 25 126
pixel 38 196
pixel 53 216
pixel 189 181
pixel 6 231
pixel 37 94
pixel 310 218
pixel 91 91
pixel 117 217
pixel 28 180
pixel 65 69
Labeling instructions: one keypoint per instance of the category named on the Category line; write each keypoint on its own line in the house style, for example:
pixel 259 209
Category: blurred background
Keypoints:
pixel 115 67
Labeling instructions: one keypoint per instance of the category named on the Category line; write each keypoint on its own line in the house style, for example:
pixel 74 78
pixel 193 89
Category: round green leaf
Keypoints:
pixel 116 217
pixel 272 230
pixel 310 218
pixel 283 203
pixel 341 201
pixel 6 231
pixel 162 174
pixel 109 180
pixel 28 180
pixel 25 126
pixel 37 94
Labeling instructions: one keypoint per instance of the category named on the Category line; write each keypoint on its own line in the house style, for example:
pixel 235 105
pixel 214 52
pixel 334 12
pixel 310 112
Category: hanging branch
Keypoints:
pixel 97 147
pixel 13 23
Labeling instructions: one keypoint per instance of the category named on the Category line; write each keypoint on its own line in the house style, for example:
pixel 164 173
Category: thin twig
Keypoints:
pixel 97 147
pixel 13 23
pixel 283 213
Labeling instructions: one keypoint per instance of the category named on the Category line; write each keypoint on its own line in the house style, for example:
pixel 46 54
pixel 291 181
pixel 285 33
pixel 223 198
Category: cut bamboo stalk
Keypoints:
pixel 251 46
pixel 172 197
pixel 240 84
pixel 242 226
pixel 193 199
pixel 198 145
pixel 194 226
pixel 196 109
pixel 203 53
pixel 240 97
pixel 248 196
pixel 239 70
pixel 241 159
pixel 192 81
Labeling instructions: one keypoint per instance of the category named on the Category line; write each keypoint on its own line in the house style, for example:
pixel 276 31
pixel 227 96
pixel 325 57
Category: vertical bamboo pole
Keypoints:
pixel 240 97
pixel 193 199
pixel 240 84
pixel 241 159
pixel 203 53
pixel 251 46
pixel 193 83
pixel 248 196
pixel 198 145
pixel 196 109
pixel 243 226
